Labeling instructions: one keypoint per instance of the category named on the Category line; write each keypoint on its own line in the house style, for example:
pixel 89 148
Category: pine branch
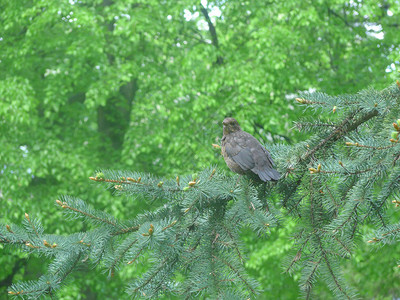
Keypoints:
pixel 121 253
pixel 148 280
pixel 238 274
pixel 344 128
pixel 88 214
pixel 126 230
pixel 332 273
pixel 330 187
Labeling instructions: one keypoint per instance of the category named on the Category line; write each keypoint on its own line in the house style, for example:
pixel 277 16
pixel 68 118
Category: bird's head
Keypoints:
pixel 230 126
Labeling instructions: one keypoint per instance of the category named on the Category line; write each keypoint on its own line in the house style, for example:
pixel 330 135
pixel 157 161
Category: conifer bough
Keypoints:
pixel 345 175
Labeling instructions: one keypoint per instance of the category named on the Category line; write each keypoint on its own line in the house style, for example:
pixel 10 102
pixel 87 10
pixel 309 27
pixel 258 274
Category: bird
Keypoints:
pixel 244 154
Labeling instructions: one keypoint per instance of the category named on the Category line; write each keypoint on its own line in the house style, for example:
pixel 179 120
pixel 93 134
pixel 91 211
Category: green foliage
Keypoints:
pixel 194 225
pixel 143 86
pixel 199 218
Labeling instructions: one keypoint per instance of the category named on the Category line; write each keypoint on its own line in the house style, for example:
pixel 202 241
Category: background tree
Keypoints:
pixel 108 83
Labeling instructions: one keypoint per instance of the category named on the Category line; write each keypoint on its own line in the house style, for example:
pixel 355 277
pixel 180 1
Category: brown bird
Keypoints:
pixel 244 154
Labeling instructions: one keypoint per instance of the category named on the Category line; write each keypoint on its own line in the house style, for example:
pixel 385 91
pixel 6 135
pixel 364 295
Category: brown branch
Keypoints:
pixel 343 128
pixel 136 256
pixel 126 230
pixel 328 264
pixel 30 223
pixel 342 244
pixel 65 205
pixel 236 272
pixel 213 32
pixel 347 172
pixel 371 147
pixel 152 276
pixel 119 257
pixel 309 280
pixel 299 252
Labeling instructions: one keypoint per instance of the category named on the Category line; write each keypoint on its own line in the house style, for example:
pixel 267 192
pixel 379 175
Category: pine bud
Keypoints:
pixel 138 180
pixel 151 230
pixel 319 168
pixel 212 173
pixel 130 179
pixel 340 163
pixel 394 134
pixel 300 100
pixel 396 126
pixel 177 180
pixel 334 109
pixel 312 170
pixel 15 293
pixel 160 184
pixel 169 226
pixel 349 144
pixel 100 176
pixel 393 140
pixel 46 244
pixel 192 183
pixel 216 146
pixel 27 217
pixel 9 229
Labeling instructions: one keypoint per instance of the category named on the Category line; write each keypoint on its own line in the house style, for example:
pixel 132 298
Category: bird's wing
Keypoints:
pixel 237 149
pixel 264 166
pixel 268 156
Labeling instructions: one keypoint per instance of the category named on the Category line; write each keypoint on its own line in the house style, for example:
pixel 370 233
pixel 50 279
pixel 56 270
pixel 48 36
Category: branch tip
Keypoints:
pixel 9 229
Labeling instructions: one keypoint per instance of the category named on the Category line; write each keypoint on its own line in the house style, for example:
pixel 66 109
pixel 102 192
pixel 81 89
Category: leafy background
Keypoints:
pixel 144 85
